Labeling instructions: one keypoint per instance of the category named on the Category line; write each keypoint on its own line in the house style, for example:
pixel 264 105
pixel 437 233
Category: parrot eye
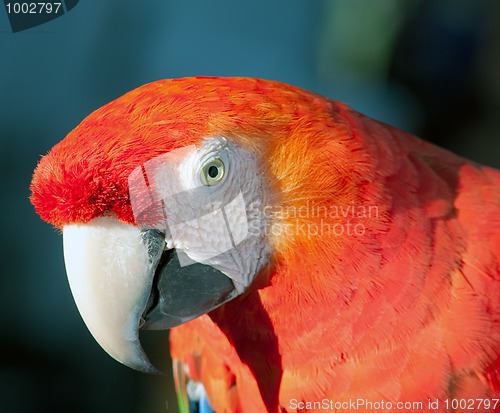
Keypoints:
pixel 212 172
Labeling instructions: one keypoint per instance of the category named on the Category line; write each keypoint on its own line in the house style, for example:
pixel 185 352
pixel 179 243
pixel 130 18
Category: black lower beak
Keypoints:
pixel 180 293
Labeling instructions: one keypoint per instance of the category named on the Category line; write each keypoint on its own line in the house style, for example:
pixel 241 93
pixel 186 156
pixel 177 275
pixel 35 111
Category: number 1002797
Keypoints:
pixel 33 8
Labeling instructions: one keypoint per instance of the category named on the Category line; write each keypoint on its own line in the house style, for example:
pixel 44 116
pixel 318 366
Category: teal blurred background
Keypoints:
pixel 429 67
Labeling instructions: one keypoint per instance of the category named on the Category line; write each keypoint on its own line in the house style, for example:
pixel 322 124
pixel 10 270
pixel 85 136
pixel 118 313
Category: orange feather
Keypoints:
pixel 385 280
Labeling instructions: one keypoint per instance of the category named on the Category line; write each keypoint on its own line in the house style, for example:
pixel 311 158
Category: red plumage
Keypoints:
pixel 404 309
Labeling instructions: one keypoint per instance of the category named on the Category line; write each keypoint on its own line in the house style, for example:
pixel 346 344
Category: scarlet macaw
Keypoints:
pixel 308 257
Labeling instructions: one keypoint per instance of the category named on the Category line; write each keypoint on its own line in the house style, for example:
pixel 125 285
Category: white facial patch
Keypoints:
pixel 217 225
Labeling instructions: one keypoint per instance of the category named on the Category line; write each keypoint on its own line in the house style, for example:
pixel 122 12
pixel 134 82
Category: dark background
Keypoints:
pixel 431 67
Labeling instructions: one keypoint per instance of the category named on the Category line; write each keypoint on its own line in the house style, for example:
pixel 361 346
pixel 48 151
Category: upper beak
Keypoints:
pixel 122 279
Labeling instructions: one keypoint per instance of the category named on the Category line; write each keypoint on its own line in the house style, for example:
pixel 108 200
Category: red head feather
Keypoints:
pixel 408 310
pixel 85 175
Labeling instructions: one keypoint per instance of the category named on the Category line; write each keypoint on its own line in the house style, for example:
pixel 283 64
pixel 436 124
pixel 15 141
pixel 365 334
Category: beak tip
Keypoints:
pixel 143 366
pixel 134 356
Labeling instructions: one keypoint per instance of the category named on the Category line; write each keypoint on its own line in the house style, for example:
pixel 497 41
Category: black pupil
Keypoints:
pixel 213 171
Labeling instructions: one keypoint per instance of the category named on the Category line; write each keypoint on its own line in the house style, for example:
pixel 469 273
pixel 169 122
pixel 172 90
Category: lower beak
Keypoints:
pixel 122 279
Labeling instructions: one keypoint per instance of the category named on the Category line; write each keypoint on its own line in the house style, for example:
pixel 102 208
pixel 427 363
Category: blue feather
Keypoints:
pixel 204 405
pixel 191 395
pixel 197 398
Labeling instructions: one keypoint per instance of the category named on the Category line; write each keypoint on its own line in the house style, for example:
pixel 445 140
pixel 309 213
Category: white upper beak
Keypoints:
pixel 106 262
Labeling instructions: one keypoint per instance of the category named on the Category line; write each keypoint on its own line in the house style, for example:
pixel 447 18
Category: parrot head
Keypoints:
pixel 162 197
